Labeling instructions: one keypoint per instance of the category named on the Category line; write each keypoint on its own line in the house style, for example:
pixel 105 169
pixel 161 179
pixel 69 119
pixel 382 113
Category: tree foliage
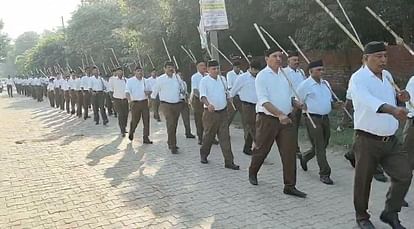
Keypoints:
pixel 131 26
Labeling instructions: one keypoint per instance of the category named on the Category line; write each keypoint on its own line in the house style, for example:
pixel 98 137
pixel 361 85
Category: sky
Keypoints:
pixel 20 16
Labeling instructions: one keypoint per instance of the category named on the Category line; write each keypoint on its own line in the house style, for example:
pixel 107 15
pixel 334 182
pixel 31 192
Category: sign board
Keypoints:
pixel 214 15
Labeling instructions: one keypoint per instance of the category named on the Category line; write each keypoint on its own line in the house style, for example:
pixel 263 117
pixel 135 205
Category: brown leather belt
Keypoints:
pixel 375 137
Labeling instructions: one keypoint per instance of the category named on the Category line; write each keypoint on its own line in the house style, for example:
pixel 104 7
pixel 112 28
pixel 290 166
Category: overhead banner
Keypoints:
pixel 214 15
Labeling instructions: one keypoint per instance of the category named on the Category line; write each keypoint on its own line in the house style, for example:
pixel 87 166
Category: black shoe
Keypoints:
pixel 326 180
pixel 131 137
pixel 392 220
pixel 204 161
pixel 105 122
pixel 147 141
pixel 189 136
pixel 248 152
pixel 298 155
pixel 253 179
pixel 215 142
pixel 380 177
pixel 294 192
pixel 351 160
pixel 232 166
pixel 365 224
pixel 96 123
pixel 174 150
pixel 303 164
pixel 123 135
pixel 200 142
pixel 405 204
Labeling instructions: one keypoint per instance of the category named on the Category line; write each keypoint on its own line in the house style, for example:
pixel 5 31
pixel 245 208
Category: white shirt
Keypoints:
pixel 136 88
pixel 410 89
pixel 117 86
pixel 231 77
pixel 273 87
pixel 369 93
pixel 96 84
pixel 50 86
pixel 85 82
pixel 245 87
pixel 36 82
pixel 168 89
pixel 77 84
pixel 295 76
pixel 9 82
pixel 64 85
pixel 71 84
pixel 214 90
pixel 151 82
pixel 195 80
pixel 317 96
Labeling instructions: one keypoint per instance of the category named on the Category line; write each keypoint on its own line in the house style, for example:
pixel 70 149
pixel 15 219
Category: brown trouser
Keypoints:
pixel 319 138
pixel 51 96
pixel 185 116
pixel 86 103
pixel 296 121
pixel 155 105
pixel 370 152
pixel 249 124
pixel 198 116
pixel 216 123
pixel 268 130
pixel 121 107
pixel 408 143
pixel 139 109
pixel 73 99
pixel 97 100
pixel 66 99
pixel 79 103
pixel 172 113
pixel 232 113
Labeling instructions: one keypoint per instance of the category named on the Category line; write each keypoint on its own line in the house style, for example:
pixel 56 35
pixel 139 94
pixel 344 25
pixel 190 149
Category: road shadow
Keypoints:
pixel 104 150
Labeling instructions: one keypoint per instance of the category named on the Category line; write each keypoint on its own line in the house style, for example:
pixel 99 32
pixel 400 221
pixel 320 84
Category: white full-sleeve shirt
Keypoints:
pixel 231 77
pixel 96 83
pixel 214 90
pixel 245 87
pixel 317 96
pixel 168 89
pixel 369 93
pixel 136 88
pixel 118 86
pixel 295 76
pixel 272 87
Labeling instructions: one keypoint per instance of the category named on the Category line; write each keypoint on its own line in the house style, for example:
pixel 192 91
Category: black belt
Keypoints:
pixel 98 91
pixel 375 137
pixel 170 103
pixel 318 116
pixel 271 116
pixel 247 103
pixel 140 101
pixel 218 111
pixel 119 99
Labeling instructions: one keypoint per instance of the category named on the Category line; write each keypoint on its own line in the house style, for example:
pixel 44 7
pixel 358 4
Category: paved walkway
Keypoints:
pixel 58 171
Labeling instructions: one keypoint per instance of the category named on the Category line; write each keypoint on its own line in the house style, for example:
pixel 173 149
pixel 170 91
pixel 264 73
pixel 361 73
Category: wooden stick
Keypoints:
pixel 398 39
pixel 93 62
pixel 284 74
pixel 188 54
pixel 340 24
pixel 139 57
pixel 86 58
pixel 83 71
pixel 61 69
pixel 297 47
pixel 166 49
pixel 112 62
pixel 274 40
pixel 116 59
pixel 222 54
pixel 349 21
pixel 395 86
pixel 337 99
pixel 176 63
pixel 192 54
pixel 42 72
pixel 103 66
pixel 83 64
pixel 152 63
pixel 240 49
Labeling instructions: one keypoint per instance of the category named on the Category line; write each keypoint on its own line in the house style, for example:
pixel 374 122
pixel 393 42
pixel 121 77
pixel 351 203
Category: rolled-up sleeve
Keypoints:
pixel 261 90
pixel 361 95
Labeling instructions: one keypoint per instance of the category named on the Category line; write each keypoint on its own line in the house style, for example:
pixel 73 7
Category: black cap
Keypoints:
pixel 138 67
pixel 315 64
pixel 271 50
pixel 212 63
pixel 236 63
pixel 292 53
pixel 374 46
